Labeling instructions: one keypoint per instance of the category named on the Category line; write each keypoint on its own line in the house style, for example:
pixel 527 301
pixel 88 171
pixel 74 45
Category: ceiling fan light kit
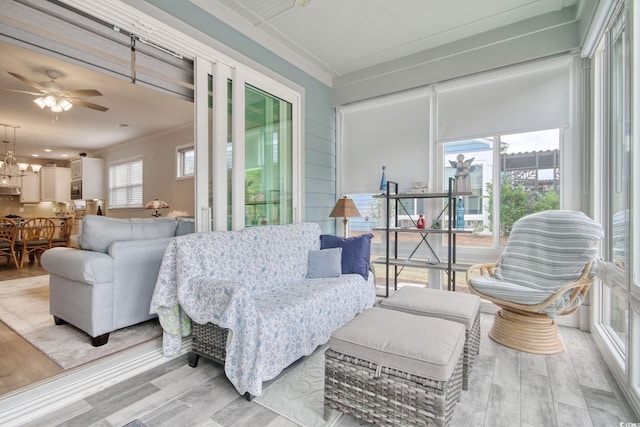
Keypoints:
pixel 54 96
pixel 57 105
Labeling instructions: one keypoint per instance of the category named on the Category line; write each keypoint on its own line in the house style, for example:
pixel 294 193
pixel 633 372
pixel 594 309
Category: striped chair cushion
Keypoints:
pixel 545 251
pixel 522 295
pixel 549 249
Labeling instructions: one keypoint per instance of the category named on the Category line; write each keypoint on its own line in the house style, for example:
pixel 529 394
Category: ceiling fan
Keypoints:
pixel 54 96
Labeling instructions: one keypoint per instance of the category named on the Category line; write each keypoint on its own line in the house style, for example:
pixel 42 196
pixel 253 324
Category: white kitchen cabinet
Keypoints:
pixel 90 174
pixel 30 188
pixel 55 184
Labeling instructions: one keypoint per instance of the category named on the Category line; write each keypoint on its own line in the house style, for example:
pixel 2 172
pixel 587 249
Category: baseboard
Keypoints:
pixel 50 395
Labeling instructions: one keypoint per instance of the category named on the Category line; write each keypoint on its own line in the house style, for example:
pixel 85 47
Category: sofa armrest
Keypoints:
pixel 79 265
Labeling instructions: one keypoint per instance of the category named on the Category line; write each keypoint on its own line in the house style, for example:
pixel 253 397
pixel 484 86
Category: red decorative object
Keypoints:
pixel 420 223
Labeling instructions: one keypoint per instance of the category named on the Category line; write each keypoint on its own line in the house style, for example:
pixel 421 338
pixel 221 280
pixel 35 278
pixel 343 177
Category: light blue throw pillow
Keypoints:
pixel 325 263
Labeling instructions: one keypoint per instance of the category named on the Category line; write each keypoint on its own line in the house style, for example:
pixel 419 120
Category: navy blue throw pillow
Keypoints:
pixel 356 252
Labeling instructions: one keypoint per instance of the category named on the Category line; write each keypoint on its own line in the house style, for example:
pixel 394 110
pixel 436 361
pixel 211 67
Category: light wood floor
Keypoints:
pixel 507 388
pixel 22 364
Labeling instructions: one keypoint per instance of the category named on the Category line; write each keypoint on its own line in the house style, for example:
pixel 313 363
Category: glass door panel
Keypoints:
pixel 616 318
pixel 268 159
pixel 614 269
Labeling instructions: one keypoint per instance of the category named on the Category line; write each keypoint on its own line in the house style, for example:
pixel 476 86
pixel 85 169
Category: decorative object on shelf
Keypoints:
pixel 406 223
pixel 463 170
pixel 419 187
pixel 345 208
pixel 460 215
pixel 156 204
pixel 9 167
pixel 383 181
pixel 436 224
pixel 420 223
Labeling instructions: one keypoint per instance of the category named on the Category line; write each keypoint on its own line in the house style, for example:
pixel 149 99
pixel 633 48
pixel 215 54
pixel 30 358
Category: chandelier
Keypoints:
pixel 9 167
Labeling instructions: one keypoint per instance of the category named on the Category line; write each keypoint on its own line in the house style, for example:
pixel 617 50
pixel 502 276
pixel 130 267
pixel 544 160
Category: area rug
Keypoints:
pixel 24 307
pixel 298 394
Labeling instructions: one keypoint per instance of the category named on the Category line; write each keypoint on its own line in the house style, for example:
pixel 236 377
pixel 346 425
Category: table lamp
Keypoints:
pixel 344 208
pixel 156 204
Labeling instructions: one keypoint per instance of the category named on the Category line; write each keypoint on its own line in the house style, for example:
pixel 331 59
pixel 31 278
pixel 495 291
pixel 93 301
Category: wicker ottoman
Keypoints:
pixel 392 368
pixel 457 307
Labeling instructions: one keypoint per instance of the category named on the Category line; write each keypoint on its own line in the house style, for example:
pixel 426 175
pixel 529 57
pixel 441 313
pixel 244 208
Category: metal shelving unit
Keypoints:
pixel 391 259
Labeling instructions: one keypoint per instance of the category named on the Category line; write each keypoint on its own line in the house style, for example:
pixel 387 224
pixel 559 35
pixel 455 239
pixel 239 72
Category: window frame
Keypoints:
pixel 180 152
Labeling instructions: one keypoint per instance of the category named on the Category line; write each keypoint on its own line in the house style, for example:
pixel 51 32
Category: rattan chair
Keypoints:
pixel 35 237
pixel 8 235
pixel 64 237
pixel 545 271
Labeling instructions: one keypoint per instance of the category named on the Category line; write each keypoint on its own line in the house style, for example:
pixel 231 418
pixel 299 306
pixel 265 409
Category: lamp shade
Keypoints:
pixel 344 208
pixel 157 204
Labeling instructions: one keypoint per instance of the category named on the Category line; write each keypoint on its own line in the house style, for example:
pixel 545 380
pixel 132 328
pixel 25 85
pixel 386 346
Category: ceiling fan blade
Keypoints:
pixel 82 92
pixel 88 105
pixel 21 91
pixel 27 81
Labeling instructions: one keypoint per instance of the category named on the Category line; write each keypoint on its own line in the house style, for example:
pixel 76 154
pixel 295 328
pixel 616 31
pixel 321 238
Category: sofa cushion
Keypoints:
pixel 356 252
pixel 325 263
pixel 185 226
pixel 98 232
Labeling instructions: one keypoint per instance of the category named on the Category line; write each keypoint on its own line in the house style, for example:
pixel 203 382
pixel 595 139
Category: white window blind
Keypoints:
pixel 391 132
pixel 517 100
pixel 125 184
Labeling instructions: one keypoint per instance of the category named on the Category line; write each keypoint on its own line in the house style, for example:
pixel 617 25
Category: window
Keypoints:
pixel 125 184
pixel 185 161
pixel 529 177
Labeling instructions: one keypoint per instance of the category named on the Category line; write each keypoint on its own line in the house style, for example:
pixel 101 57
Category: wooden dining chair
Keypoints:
pixel 64 237
pixel 8 236
pixel 35 237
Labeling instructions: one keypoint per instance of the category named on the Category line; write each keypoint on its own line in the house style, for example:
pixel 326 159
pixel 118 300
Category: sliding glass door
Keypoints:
pixel 247 150
pixel 612 102
pixel 617 306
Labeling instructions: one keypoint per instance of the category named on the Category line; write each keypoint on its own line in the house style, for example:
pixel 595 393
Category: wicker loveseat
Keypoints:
pixel 250 299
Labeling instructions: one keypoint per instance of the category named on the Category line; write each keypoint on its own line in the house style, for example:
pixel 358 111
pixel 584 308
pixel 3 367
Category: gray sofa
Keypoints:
pixel 107 284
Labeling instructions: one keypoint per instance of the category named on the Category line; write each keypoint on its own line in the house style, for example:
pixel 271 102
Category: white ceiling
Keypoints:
pixel 342 36
pixel 334 37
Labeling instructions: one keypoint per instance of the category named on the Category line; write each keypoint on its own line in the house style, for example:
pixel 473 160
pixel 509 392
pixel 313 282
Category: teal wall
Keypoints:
pixel 319 115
